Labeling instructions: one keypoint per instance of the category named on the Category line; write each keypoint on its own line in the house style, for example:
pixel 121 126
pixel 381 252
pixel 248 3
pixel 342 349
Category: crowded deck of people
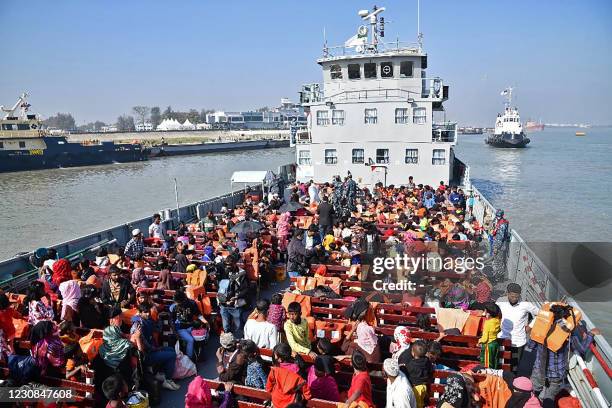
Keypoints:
pixel 332 295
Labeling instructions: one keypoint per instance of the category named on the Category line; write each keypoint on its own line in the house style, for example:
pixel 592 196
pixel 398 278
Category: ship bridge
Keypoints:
pixel 377 112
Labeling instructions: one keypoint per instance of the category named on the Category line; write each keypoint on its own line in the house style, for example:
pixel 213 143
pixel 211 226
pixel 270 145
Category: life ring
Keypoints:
pixel 33 126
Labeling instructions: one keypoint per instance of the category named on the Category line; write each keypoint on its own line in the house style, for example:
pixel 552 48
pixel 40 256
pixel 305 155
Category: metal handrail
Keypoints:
pixel 381 47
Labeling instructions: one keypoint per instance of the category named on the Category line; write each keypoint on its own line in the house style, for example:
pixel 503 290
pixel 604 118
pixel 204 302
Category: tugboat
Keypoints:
pixel 25 145
pixel 508 128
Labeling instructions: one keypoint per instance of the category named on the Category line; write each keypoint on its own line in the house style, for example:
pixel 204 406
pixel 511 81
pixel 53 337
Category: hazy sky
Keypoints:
pixel 97 59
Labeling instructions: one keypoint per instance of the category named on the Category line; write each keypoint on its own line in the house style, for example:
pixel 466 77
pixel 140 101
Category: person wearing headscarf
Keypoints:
pixel 209 253
pixel 199 395
pixel 321 379
pixel 283 228
pixel 399 390
pixel 62 271
pixel 459 392
pixel 402 338
pixel 365 340
pixel 115 347
pixel 500 239
pixel 47 347
pixel 522 394
pixel 139 278
pixel 71 293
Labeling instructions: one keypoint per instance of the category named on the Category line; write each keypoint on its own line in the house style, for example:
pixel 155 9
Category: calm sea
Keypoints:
pixel 557 189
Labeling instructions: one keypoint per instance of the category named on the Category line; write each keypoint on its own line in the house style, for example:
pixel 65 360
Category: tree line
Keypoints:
pixel 140 115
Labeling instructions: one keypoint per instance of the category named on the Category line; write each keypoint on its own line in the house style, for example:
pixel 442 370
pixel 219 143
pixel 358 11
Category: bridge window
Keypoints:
pixel 354 71
pixel 23 126
pixel 412 156
pixel 386 69
pixel 22 145
pixel 371 116
pixel 438 157
pixel 331 156
pixel 401 115
pixel 406 69
pixel 335 71
pixel 369 70
pixel 358 156
pixel 304 158
pixel 337 117
pixel 9 126
pixel 322 118
pixel 419 116
pixel 382 156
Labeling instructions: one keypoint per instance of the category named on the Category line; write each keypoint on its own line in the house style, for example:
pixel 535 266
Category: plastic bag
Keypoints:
pixel 184 366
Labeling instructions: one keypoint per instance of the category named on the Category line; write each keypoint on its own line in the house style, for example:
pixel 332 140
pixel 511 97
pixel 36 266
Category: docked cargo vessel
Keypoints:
pixel 24 145
pixel 508 127
pixel 380 127
pixel 215 147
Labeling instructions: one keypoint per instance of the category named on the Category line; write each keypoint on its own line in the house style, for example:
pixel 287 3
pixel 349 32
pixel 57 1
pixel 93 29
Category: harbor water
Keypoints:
pixel 557 189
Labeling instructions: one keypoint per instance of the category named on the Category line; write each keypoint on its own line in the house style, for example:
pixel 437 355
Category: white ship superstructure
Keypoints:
pixel 374 115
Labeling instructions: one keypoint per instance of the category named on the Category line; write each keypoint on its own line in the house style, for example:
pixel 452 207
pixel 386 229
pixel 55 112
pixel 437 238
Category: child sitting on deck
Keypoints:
pixel 297 330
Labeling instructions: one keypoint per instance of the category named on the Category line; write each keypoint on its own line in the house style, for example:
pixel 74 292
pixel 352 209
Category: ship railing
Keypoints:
pixel 444 132
pixel 539 285
pixel 367 49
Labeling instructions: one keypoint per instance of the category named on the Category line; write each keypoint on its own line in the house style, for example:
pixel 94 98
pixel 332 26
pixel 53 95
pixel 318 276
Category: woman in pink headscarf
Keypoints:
pixel 199 395
pixel 363 337
pixel 282 230
pixel 71 293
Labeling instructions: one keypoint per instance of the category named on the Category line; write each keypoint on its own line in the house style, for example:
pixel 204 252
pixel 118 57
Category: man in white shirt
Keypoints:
pixel 259 330
pixel 515 319
pixel 155 229
pixel 399 389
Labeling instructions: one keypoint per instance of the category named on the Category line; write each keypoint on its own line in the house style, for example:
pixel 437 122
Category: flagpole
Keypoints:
pixel 178 212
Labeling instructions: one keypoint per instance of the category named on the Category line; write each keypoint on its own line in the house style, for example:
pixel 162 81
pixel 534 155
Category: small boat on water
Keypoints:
pixel 508 127
pixel 580 133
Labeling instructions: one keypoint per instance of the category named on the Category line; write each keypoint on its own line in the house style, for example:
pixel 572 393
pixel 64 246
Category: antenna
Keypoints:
pixel 373 17
pixel 324 43
pixel 419 33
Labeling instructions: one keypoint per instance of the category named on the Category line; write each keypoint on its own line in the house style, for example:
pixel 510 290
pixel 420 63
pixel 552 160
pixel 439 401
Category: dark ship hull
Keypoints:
pixel 60 153
pixel 184 149
pixel 507 140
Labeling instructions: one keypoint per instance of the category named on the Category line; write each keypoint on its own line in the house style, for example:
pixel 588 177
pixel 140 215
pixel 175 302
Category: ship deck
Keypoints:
pixel 389 315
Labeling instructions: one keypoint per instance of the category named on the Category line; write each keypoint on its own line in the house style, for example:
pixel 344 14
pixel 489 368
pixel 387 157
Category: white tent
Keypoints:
pixel 169 124
pixel 187 125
